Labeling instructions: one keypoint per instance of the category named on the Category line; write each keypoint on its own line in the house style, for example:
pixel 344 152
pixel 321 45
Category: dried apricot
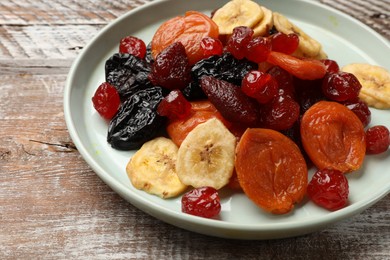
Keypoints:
pixel 271 170
pixel 308 69
pixel 189 29
pixel 333 137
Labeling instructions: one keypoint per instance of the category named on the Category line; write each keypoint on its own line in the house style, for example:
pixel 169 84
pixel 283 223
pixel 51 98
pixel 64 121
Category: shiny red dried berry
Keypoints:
pixel 238 43
pixel 106 100
pixel 258 49
pixel 377 139
pixel 211 46
pixel 171 68
pixel 174 106
pixel 285 43
pixel 331 65
pixel 280 113
pixel 360 108
pixel 259 85
pixel 133 45
pixel 329 189
pixel 201 202
pixel 341 86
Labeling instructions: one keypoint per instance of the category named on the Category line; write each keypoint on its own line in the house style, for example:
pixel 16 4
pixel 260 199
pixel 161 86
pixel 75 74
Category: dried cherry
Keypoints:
pixel 329 189
pixel 377 139
pixel 201 202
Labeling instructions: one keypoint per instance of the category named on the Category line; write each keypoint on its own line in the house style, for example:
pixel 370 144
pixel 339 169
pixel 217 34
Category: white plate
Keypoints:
pixel 344 39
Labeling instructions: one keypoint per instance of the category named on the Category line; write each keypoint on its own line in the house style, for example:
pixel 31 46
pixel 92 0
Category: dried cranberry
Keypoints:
pixel 171 68
pixel 259 85
pixel 377 139
pixel 174 106
pixel 258 49
pixel 360 108
pixel 341 86
pixel 132 45
pixel 211 46
pixel 331 65
pixel 286 43
pixel 280 113
pixel 284 80
pixel 238 42
pixel 329 189
pixel 202 202
pixel 106 100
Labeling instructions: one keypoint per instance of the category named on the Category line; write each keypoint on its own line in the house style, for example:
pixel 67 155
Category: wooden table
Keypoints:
pixel 53 206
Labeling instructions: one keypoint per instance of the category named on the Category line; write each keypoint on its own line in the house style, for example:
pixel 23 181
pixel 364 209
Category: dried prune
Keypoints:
pixel 127 73
pixel 137 120
pixel 224 67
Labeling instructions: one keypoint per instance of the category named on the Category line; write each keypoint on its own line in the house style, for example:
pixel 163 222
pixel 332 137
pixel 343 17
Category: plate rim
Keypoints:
pixel 170 216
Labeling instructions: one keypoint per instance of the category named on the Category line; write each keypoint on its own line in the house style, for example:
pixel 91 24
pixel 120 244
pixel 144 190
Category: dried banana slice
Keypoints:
pixel 375 81
pixel 264 26
pixel 308 47
pixel 237 13
pixel 153 168
pixel 206 156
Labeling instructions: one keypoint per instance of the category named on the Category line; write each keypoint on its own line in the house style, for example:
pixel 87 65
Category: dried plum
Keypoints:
pixel 127 73
pixel 224 67
pixel 137 120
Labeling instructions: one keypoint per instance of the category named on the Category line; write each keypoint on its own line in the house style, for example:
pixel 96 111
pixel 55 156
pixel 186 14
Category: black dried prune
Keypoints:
pixel 137 120
pixel 224 67
pixel 127 73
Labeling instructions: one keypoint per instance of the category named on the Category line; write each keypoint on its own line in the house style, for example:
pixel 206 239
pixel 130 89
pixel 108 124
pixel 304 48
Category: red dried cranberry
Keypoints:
pixel 286 43
pixel 202 202
pixel 329 189
pixel 106 100
pixel 259 85
pixel 258 49
pixel 238 42
pixel 280 113
pixel 171 68
pixel 377 139
pixel 174 106
pixel 331 66
pixel 341 86
pixel 132 45
pixel 360 108
pixel 211 46
pixel 284 80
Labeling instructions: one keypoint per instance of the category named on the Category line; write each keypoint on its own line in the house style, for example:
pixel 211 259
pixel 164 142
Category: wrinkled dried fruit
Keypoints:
pixel 171 69
pixel 106 100
pixel 137 120
pixel 377 139
pixel 329 189
pixel 127 73
pixel 201 202
pixel 230 101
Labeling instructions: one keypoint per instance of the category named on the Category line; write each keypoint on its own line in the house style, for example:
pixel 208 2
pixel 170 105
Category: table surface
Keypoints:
pixel 52 205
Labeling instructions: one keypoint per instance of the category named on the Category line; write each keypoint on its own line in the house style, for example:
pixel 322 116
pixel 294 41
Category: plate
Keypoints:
pixel 344 39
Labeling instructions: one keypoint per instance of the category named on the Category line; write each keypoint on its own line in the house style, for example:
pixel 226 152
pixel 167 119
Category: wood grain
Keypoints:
pixel 53 206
